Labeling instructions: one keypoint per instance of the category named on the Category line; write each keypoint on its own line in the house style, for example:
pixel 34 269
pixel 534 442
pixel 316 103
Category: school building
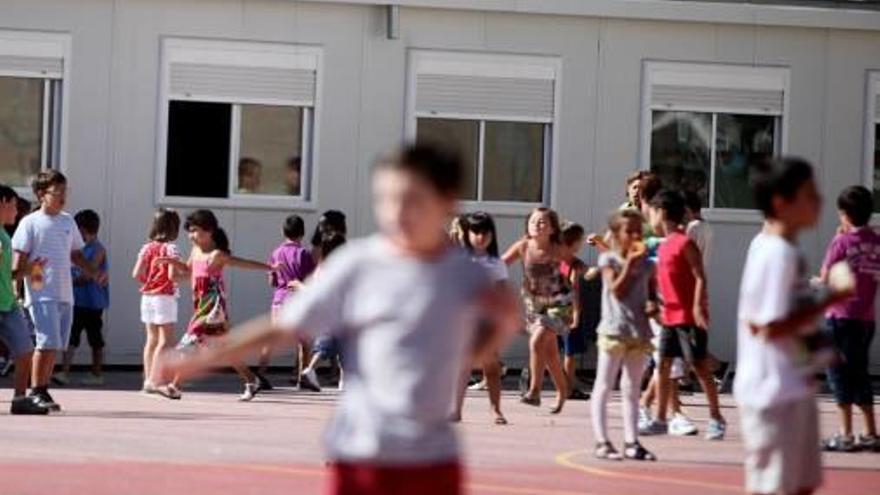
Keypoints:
pixel 147 103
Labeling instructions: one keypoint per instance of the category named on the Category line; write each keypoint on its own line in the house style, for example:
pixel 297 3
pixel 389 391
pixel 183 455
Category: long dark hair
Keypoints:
pixel 205 220
pixel 481 223
pixel 330 221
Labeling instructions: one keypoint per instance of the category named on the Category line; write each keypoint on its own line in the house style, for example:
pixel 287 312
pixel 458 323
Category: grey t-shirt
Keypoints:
pixel 626 317
pixel 405 326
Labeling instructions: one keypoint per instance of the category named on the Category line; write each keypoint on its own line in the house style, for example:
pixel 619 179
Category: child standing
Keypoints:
pixel 548 302
pixel 773 385
pixel 405 304
pixel 682 284
pixel 90 299
pixel 14 332
pixel 159 291
pixel 852 322
pixel 295 264
pixel 573 344
pixel 481 239
pixel 49 242
pixel 628 288
pixel 209 325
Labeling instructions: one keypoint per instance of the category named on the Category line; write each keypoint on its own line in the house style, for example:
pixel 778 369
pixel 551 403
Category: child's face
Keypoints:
pixel 86 235
pixel 480 240
pixel 802 211
pixel 540 226
pixel 572 250
pixel 628 233
pixel 200 238
pixel 8 211
pixel 54 198
pixel 632 191
pixel 410 211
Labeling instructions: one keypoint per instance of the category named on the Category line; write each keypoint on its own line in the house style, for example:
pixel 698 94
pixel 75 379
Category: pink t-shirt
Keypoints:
pixel 860 248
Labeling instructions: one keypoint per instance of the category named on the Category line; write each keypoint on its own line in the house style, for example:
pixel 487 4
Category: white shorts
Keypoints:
pixel 158 309
pixel 782 447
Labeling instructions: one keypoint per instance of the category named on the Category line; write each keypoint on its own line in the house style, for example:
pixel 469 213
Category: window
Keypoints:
pixel 237 123
pixel 707 124
pixel 31 75
pixel 497 112
pixel 872 155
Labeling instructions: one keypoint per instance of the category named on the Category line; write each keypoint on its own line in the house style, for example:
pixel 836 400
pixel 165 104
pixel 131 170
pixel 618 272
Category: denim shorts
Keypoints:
pixel 849 378
pixel 52 321
pixel 15 333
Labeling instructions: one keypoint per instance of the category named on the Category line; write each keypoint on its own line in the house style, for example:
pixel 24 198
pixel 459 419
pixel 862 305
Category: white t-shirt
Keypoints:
pixel 52 237
pixel 700 232
pixel 404 326
pixel 497 269
pixel 769 372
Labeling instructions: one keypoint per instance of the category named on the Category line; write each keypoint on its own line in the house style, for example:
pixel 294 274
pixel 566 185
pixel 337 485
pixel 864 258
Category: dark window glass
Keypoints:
pixel 198 149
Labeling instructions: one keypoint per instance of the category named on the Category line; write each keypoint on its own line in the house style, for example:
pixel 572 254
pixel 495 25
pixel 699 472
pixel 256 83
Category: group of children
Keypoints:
pixel 412 314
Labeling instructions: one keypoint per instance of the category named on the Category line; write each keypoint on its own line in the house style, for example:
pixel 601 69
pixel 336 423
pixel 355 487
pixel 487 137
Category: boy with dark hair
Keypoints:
pixel 574 343
pixel 777 308
pixel 90 299
pixel 682 284
pixel 47 243
pixel 851 323
pixel 406 305
pixel 14 332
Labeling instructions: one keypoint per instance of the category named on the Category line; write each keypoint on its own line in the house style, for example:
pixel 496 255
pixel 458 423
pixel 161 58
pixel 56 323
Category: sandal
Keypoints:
pixel 604 450
pixel 634 451
pixel 530 401
pixel 500 420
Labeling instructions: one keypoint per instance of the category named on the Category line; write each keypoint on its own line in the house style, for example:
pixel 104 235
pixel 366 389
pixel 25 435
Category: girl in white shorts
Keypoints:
pixel 158 290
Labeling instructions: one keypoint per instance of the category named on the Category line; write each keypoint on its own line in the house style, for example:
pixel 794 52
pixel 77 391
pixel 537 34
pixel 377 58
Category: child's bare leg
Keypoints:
pixel 150 350
pixel 701 368
pixel 650 392
pixel 42 367
pixel 97 361
pixel 67 359
pixel 22 374
pixel 570 364
pixel 663 370
pixel 265 356
pixel 492 374
pixel 536 364
pixel 674 397
pixel 244 372
pixel 305 354
pixel 870 422
pixel 844 411
pixel 554 366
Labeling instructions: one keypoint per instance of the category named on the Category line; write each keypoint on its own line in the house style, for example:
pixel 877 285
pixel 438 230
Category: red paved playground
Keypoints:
pixel 116 441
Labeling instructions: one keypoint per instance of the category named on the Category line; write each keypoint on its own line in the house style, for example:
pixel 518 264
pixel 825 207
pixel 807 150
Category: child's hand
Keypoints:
pixel 700 318
pixel 652 309
pixel 592 273
pixel 276 267
pixel 103 278
pixel 597 241
pixel 295 285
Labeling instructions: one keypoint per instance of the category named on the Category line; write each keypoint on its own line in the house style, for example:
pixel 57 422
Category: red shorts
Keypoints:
pixel 364 479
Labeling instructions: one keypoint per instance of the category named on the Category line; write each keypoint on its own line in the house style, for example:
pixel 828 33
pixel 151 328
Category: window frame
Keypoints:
pixel 55 105
pixel 307 199
pixel 492 64
pixel 872 120
pixel 747 77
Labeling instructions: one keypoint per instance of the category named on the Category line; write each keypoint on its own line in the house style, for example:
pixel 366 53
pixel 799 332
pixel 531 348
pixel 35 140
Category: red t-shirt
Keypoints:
pixel 675 280
pixel 155 279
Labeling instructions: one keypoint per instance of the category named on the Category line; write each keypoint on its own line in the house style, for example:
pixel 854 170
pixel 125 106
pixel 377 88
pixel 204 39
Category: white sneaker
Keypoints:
pixel 309 381
pixel 93 380
pixel 250 391
pixel 644 418
pixel 480 385
pixel 681 426
pixel 341 385
pixel 716 430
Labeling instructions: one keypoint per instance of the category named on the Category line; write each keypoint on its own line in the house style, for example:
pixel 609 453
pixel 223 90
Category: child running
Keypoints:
pixel 210 321
pixel 628 291
pixel 573 344
pixel 851 323
pixel 548 302
pixel 14 332
pixel 90 300
pixel 481 240
pixel 295 264
pixel 777 309
pixel 159 292
pixel 405 304
pixel 682 284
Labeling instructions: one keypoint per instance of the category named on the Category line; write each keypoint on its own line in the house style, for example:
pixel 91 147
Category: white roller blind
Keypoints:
pixel 717 88
pixel 484 87
pixel 243 72
pixel 32 54
pixel 43 67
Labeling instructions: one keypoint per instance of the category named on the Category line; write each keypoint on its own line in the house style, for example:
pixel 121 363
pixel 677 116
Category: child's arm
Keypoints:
pixel 619 282
pixel 794 322
pixel 695 262
pixel 89 270
pixel 236 262
pixel 139 271
pixel 575 279
pixel 514 252
pixel 652 307
pixel 22 267
pixel 598 242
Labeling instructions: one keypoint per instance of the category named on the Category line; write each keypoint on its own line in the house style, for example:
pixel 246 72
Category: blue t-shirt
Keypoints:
pixel 91 295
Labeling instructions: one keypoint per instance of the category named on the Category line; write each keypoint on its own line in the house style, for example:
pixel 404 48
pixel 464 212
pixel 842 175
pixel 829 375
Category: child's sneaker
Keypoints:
pixel 480 385
pixel 681 426
pixel 868 443
pixel 644 418
pixel 28 406
pixel 250 391
pixel 149 388
pixel 169 392
pixel 93 380
pixel 716 430
pixel 43 398
pixel 654 427
pixel 839 443
pixel 61 378
pixel 309 381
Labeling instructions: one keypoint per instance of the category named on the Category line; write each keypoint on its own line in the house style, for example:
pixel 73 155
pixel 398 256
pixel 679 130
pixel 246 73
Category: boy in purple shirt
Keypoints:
pixel 851 321
pixel 295 264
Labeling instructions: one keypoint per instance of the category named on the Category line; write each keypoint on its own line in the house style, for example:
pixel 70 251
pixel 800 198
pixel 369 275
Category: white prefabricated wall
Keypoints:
pixel 113 104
